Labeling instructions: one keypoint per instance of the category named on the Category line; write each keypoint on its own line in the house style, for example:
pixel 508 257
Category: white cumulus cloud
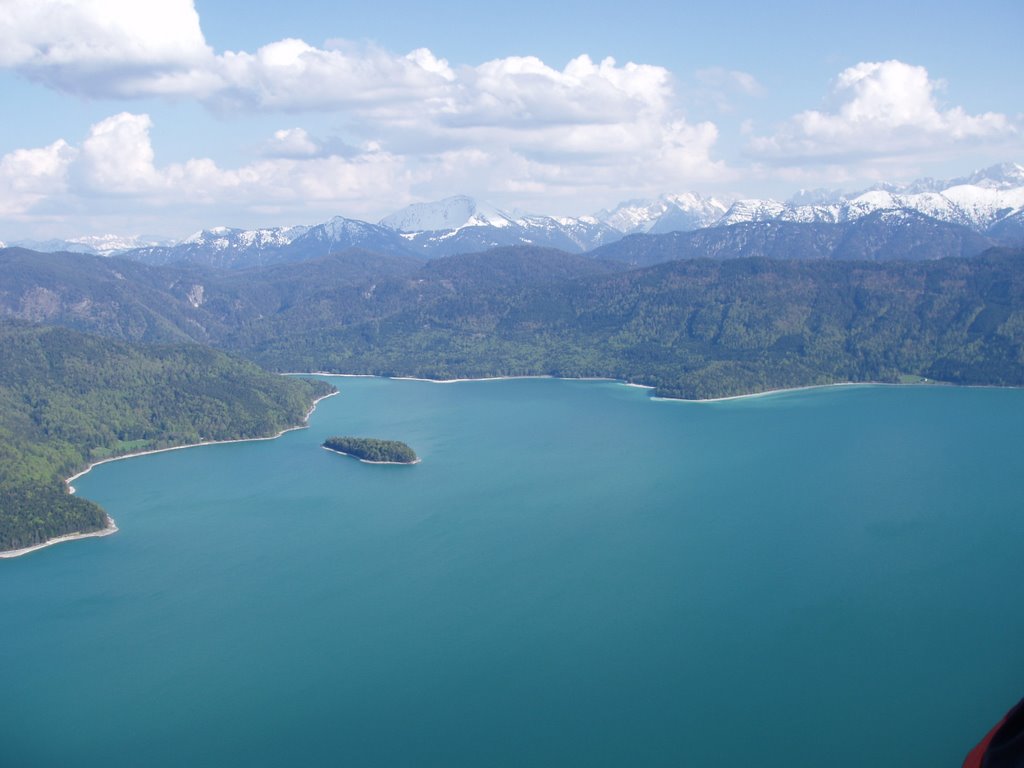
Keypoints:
pixel 117 157
pixel 105 47
pixel 292 142
pixel 524 127
pixel 412 103
pixel 114 169
pixel 30 176
pixel 882 109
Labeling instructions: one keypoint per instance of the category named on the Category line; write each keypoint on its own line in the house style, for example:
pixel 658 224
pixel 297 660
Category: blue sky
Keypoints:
pixel 172 115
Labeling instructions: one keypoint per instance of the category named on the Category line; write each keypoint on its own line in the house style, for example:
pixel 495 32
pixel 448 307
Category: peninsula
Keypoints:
pixel 70 400
pixel 372 451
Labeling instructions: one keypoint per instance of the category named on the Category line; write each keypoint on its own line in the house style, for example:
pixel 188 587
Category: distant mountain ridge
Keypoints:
pixel 882 235
pixel 95 245
pixel 988 202
pixel 976 207
pixel 668 213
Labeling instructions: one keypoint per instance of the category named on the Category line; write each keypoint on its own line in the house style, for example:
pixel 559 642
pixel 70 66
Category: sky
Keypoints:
pixel 164 117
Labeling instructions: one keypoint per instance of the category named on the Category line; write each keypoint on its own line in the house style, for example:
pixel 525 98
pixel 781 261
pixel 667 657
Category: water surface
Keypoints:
pixel 574 575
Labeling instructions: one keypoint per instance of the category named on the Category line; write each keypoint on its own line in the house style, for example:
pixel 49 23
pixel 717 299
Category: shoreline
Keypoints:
pixel 781 391
pixel 304 425
pixel 456 381
pixel 473 378
pixel 623 382
pixel 328 373
pixel 368 461
pixel 112 526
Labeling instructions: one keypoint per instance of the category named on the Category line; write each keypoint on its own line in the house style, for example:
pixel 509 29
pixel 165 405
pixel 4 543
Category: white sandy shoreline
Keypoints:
pixel 784 390
pixel 112 527
pixel 603 378
pixel 779 392
pixel 487 378
pixel 367 461
pixel 632 384
pixel 765 393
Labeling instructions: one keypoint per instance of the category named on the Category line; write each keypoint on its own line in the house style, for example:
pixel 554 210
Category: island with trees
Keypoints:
pixel 373 451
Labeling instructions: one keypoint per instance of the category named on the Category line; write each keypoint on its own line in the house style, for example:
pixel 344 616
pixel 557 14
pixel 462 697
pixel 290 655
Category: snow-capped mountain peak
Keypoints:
pixel 232 237
pixel 94 245
pixel 108 245
pixel 203 235
pixel 989 201
pixel 452 213
pixel 1001 176
pixel 977 206
pixel 669 212
pixel 752 210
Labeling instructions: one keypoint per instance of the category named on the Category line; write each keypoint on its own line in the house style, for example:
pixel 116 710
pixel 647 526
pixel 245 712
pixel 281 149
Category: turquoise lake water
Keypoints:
pixel 575 575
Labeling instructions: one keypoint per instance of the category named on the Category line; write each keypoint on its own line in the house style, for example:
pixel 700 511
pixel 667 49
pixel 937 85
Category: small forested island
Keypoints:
pixel 373 450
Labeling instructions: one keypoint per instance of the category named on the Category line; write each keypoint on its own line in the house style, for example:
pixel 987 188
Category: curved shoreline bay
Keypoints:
pixel 111 527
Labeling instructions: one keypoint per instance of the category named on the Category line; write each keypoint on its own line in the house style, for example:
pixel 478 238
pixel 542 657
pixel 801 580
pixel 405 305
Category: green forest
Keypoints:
pixel 69 399
pixel 692 329
pixel 372 449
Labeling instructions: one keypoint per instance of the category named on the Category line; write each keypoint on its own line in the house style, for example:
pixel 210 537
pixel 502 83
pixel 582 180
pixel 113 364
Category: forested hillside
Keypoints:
pixel 696 329
pixel 68 399
pixel 693 328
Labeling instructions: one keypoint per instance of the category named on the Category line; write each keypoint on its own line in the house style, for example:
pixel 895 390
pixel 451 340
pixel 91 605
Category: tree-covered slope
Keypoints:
pixel 694 328
pixel 111 297
pixel 700 328
pixel 68 399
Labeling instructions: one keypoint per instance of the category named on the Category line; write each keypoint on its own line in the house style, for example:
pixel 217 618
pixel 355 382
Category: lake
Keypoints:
pixel 575 574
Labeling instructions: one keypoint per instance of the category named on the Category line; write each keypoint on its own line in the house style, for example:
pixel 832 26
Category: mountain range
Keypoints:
pixel 987 207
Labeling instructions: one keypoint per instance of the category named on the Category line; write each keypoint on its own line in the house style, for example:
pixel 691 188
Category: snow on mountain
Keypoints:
pixel 669 212
pixel 989 201
pixel 819 196
pixel 568 233
pixel 687 212
pixel 969 205
pixel 340 233
pixel 753 210
pixel 53 246
pixel 452 213
pixel 340 229
pixel 632 216
pixel 460 224
pixel 94 245
pixel 111 245
pixel 224 238
pixel 1001 176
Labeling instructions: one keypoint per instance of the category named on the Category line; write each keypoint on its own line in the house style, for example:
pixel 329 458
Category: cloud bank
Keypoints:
pixel 414 126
